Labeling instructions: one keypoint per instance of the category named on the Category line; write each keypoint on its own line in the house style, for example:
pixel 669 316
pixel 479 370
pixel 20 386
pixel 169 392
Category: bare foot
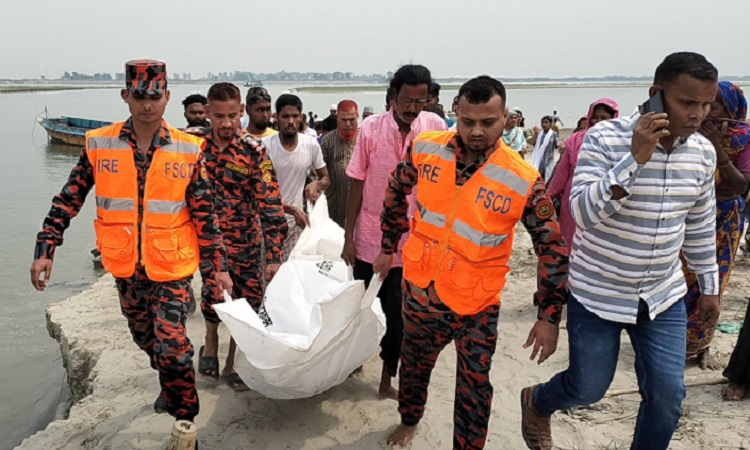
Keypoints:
pixel 707 362
pixel 386 390
pixel 402 436
pixel 734 392
pixel 211 340
pixel 357 371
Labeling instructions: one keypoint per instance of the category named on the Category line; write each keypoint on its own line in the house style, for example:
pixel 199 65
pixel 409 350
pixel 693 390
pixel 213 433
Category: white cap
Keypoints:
pixel 334 107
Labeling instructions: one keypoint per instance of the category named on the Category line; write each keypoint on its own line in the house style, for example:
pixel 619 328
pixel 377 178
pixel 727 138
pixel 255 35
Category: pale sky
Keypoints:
pixel 523 38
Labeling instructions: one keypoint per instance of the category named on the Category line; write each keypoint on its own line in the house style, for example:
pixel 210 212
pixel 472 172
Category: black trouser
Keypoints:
pixel 391 298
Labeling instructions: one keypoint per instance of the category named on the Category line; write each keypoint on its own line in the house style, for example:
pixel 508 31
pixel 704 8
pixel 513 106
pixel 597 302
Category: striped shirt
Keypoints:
pixel 336 153
pixel 628 249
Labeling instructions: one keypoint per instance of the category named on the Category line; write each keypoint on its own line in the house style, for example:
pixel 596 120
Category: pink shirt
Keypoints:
pixel 561 184
pixel 378 150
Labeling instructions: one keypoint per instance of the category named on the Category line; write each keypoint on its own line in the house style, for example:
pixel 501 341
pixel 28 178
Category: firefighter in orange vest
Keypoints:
pixel 472 190
pixel 155 222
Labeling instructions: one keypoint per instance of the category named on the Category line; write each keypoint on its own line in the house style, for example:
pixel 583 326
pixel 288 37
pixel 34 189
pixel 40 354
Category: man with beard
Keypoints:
pixel 195 110
pixel 155 224
pixel 294 155
pixel 337 151
pixel 245 189
pixel 471 192
pixel 259 115
pixel 381 144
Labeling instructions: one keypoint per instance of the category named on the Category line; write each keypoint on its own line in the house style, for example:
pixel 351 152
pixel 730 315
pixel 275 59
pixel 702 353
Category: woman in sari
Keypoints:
pixel 562 180
pixel 545 143
pixel 730 136
pixel 513 134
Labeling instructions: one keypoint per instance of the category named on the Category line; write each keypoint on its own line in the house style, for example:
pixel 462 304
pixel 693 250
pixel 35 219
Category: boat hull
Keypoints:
pixel 64 138
pixel 69 130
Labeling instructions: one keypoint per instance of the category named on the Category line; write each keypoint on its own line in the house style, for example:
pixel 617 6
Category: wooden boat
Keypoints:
pixel 69 130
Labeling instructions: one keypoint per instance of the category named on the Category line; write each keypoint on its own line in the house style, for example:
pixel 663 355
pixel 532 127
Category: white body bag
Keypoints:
pixel 316 325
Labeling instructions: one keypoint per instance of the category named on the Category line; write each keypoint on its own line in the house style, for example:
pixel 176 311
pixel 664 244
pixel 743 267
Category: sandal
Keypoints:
pixel 734 392
pixel 234 381
pixel 208 365
pixel 535 429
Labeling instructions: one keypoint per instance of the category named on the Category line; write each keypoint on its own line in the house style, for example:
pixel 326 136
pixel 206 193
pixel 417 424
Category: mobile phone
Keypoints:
pixel 654 104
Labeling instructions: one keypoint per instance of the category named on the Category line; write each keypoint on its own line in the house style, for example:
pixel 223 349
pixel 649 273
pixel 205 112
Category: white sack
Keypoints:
pixel 315 326
pixel 323 239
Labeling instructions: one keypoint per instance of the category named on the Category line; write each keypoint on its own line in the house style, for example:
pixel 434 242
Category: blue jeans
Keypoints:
pixel 659 347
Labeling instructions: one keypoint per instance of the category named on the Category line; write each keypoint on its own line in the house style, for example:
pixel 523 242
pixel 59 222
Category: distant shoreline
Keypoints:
pixel 454 86
pixel 21 89
pixel 333 87
pixel 11 86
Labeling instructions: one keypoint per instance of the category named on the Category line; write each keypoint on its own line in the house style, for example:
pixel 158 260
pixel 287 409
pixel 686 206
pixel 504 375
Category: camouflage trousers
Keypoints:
pixel 156 313
pixel 247 279
pixel 429 325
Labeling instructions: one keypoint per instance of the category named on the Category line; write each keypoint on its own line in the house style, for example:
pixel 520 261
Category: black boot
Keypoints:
pixel 160 405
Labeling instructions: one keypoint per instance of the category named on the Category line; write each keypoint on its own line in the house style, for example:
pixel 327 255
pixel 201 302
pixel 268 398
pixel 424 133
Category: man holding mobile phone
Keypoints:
pixel 642 191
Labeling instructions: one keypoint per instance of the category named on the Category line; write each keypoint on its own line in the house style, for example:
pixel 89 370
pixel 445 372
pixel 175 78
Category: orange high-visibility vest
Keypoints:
pixel 461 236
pixel 169 245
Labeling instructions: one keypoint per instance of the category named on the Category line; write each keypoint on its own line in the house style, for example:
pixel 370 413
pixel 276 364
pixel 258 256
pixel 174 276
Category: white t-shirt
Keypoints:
pixel 292 167
pixel 311 132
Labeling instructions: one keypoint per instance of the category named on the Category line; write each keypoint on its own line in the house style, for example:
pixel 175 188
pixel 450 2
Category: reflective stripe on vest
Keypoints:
pixel 181 147
pixel 431 217
pixel 429 148
pixel 506 177
pixel 115 204
pixel 107 142
pixel 164 206
pixel 477 237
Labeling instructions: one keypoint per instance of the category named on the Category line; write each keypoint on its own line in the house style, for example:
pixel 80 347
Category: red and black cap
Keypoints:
pixel 146 76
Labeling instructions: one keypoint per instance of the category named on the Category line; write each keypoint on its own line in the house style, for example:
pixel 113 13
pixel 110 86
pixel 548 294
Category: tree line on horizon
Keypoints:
pixel 240 76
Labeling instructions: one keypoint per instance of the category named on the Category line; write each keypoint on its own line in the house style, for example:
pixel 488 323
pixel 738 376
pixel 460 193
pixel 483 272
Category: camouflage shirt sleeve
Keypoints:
pixel 200 200
pixel 552 269
pixel 65 206
pixel 394 220
pixel 271 212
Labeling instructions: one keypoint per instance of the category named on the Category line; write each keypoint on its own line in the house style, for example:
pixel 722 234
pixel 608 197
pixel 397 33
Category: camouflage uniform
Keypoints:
pixel 429 325
pixel 246 198
pixel 156 311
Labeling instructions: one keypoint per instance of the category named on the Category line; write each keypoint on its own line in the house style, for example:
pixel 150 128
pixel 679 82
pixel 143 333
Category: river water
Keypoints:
pixel 33 171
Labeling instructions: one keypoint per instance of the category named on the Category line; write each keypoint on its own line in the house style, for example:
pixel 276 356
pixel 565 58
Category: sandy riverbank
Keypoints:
pixel 115 389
